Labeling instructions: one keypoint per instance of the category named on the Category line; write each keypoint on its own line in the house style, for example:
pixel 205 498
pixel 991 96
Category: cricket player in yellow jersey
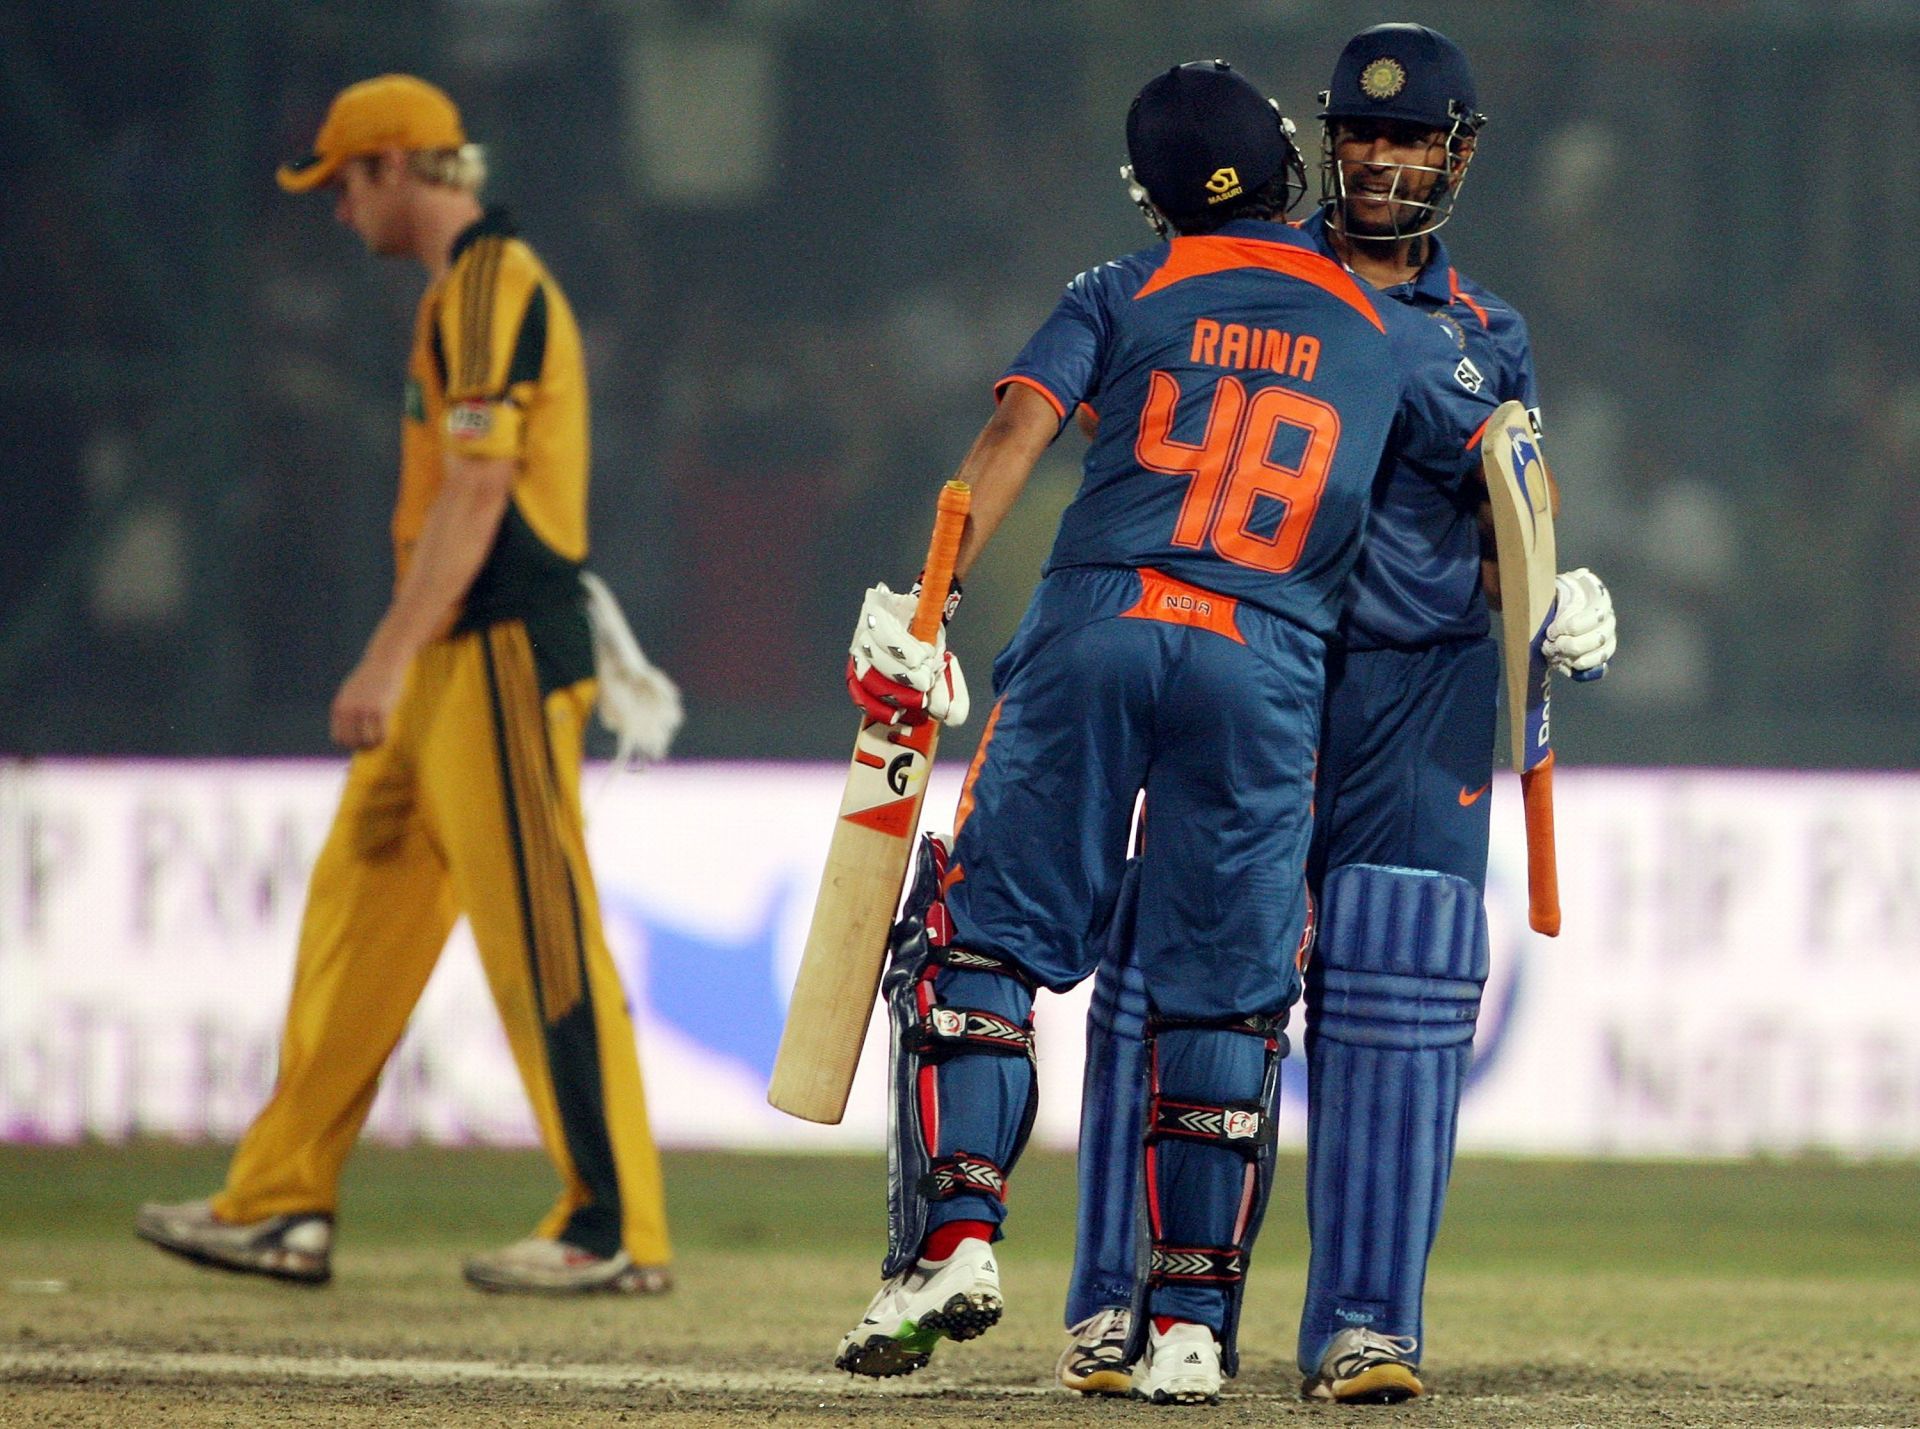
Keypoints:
pixel 466 714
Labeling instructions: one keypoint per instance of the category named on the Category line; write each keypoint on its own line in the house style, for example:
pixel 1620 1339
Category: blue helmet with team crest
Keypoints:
pixel 1408 79
pixel 1204 146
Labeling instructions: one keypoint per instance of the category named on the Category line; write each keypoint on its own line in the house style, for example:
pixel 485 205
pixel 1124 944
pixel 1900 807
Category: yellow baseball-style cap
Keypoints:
pixel 393 111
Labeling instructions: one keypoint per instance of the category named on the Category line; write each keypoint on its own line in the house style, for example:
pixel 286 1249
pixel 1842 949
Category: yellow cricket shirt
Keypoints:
pixel 496 370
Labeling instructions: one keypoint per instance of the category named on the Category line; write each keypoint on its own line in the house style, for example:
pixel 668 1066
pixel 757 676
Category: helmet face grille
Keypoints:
pixel 1409 217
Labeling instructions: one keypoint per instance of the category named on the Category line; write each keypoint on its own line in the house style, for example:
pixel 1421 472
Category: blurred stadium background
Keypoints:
pixel 803 234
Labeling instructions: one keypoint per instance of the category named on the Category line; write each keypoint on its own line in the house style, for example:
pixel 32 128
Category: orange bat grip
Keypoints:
pixel 956 499
pixel 1543 872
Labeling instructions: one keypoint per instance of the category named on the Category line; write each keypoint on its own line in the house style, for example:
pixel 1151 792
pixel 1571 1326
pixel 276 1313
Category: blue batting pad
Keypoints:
pixel 1202 1190
pixel 1391 1004
pixel 1113 1108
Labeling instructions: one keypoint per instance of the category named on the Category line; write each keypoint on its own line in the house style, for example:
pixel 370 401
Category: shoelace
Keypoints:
pixel 1112 1333
pixel 1371 1348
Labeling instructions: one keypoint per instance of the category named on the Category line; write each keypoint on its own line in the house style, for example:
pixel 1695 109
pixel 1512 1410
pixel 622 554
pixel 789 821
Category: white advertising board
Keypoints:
pixel 1739 970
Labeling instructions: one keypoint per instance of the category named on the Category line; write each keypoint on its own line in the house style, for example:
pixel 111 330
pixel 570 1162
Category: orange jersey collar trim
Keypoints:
pixel 1459 295
pixel 1205 254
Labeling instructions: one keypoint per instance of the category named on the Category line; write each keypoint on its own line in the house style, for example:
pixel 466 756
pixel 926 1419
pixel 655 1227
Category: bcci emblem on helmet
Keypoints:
pixel 1383 78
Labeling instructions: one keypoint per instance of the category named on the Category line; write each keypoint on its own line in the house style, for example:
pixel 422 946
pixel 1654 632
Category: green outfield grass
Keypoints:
pixel 1765 1218
pixel 1562 1293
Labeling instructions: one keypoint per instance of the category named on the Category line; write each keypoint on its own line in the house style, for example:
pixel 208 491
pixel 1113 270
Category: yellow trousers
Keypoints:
pixel 471 806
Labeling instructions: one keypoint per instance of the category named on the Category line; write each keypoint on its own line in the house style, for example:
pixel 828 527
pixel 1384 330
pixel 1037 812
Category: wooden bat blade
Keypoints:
pixel 1522 502
pixel 846 946
pixel 847 939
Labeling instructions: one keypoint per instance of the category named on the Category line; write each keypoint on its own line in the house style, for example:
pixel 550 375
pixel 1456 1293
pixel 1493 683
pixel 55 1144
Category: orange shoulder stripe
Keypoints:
pixel 1201 255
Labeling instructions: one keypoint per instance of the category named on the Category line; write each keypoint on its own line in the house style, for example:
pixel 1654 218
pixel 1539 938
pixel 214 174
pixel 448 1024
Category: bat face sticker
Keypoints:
pixel 1525 454
pixel 900 771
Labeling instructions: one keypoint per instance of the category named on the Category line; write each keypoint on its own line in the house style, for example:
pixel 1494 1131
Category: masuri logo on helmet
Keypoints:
pixel 1224 184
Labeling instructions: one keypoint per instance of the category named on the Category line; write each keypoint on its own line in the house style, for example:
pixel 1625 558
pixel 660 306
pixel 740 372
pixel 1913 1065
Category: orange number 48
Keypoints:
pixel 1232 467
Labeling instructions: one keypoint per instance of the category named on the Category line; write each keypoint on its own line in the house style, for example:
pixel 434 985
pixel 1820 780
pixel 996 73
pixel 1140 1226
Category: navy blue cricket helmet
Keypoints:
pixel 1202 142
pixel 1403 72
pixel 1407 74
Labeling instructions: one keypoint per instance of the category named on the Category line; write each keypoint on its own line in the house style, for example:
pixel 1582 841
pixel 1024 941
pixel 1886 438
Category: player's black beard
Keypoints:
pixel 1410 253
pixel 1408 213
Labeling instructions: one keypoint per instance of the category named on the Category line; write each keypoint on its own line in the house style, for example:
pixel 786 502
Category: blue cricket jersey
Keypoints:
pixel 1417 583
pixel 1246 386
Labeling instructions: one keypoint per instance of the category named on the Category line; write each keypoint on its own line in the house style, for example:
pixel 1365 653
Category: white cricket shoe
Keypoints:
pixel 1096 1361
pixel 1361 1366
pixel 538 1266
pixel 955 1299
pixel 1179 1367
pixel 296 1248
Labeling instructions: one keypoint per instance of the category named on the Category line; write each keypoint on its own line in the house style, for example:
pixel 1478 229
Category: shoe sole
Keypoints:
pixel 217 1260
pixel 1181 1396
pixel 1111 1383
pixel 649 1282
pixel 963 1317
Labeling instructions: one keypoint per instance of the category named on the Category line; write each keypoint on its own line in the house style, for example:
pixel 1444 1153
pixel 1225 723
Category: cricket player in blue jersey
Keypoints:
pixel 1400 843
pixel 1247 387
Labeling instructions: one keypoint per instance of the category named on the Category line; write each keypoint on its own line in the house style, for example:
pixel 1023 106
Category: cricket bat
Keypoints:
pixel 866 866
pixel 1522 501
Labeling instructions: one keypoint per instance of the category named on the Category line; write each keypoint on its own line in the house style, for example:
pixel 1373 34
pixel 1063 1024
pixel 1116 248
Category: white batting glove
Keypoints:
pixel 895 677
pixel 1580 638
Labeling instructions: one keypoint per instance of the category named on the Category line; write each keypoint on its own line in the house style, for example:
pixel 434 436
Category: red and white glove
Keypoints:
pixel 1580 639
pixel 895 677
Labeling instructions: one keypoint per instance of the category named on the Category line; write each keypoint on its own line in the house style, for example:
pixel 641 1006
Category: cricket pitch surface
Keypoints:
pixel 1562 1293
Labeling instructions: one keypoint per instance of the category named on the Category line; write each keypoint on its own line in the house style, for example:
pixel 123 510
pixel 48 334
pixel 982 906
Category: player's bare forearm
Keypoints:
pixel 454 540
pixel 1003 457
